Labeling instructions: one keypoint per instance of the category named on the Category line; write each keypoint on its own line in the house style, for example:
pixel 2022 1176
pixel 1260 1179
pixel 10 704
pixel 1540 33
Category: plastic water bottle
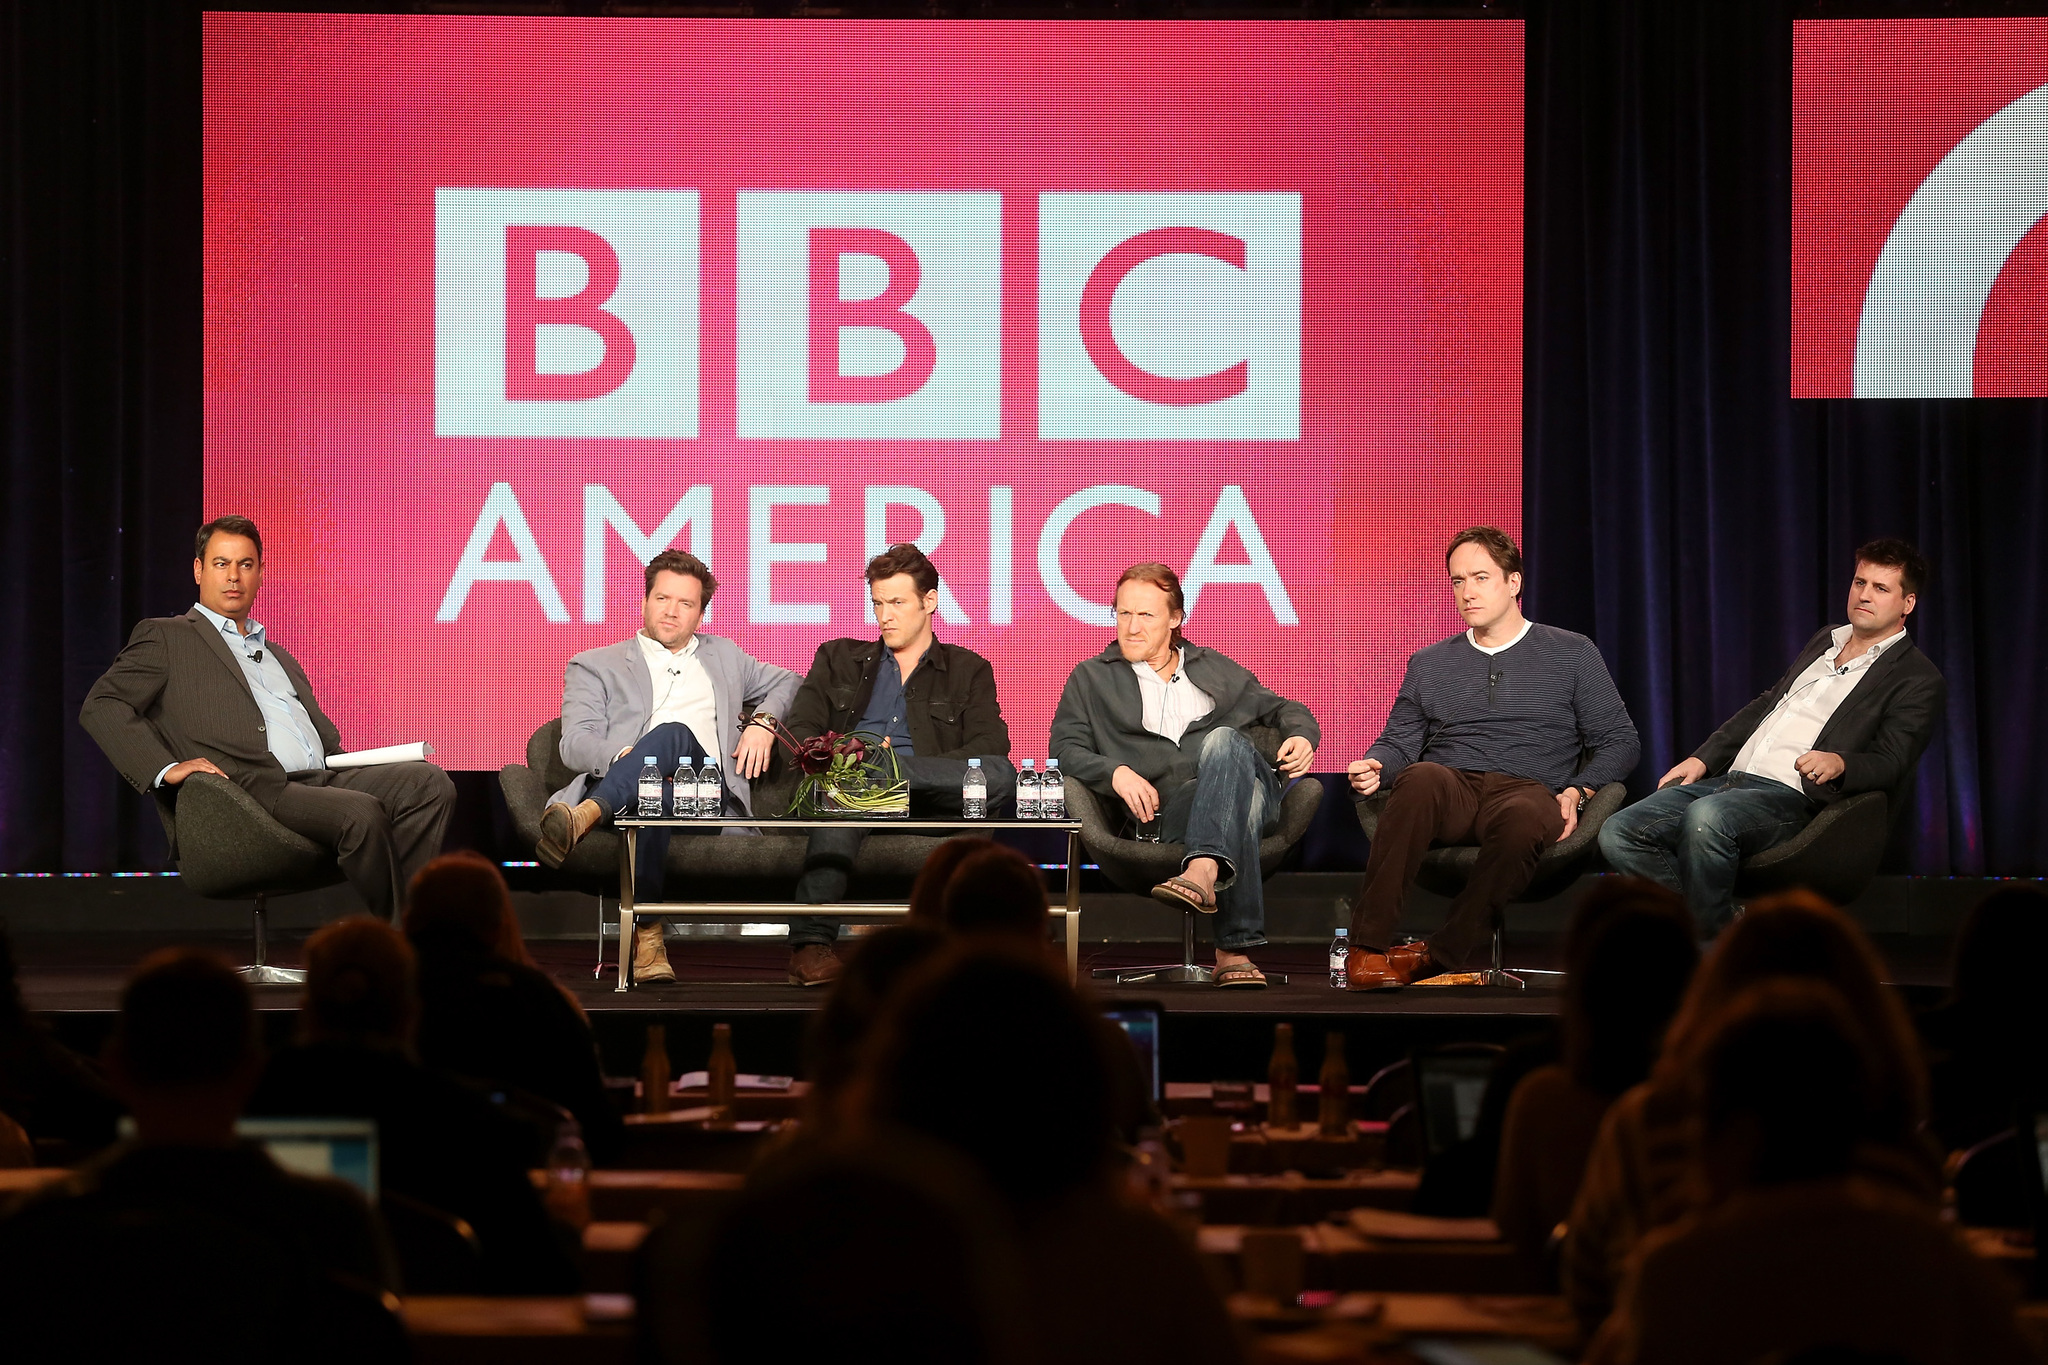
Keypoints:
pixel 1027 792
pixel 568 1190
pixel 710 790
pixel 1052 792
pixel 1340 960
pixel 683 790
pixel 650 789
pixel 974 792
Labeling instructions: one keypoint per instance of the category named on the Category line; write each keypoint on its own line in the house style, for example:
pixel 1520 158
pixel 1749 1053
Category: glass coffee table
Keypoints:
pixel 852 912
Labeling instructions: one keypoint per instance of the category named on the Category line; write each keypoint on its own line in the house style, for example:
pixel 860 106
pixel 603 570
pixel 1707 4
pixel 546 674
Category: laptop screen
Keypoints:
pixel 1140 1024
pixel 1450 1089
pixel 344 1149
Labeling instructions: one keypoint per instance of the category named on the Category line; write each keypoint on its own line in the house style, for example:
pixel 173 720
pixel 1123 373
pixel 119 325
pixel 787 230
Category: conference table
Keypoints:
pixel 858 912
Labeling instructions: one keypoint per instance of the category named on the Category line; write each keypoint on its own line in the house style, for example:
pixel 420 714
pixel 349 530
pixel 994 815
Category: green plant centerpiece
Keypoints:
pixel 854 776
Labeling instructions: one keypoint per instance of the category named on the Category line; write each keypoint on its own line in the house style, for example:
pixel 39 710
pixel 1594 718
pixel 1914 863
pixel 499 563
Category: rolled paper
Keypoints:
pixel 390 753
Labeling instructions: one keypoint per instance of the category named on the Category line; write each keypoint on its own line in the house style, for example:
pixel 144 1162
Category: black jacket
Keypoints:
pixel 950 697
pixel 1880 729
pixel 1100 724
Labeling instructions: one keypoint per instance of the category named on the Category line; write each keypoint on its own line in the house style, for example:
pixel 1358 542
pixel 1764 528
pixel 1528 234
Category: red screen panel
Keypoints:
pixel 498 307
pixel 1919 181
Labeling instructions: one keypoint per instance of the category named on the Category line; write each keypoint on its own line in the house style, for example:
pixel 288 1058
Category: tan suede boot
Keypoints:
pixel 561 826
pixel 650 954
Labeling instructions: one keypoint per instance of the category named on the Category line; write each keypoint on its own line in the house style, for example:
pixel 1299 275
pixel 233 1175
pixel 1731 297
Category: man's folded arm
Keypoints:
pixel 810 710
pixel 1604 726
pixel 1400 742
pixel 584 721
pixel 1904 732
pixel 113 713
pixel 1072 741
pixel 984 732
pixel 1721 747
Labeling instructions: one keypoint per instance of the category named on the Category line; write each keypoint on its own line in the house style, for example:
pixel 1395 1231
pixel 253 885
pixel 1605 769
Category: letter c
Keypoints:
pixel 1100 292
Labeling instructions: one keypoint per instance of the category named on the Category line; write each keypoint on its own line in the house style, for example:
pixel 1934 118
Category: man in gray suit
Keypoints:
pixel 211 692
pixel 669 693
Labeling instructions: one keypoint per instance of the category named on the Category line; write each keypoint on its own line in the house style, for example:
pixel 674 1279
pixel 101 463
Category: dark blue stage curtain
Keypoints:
pixel 1686 513
pixel 1679 508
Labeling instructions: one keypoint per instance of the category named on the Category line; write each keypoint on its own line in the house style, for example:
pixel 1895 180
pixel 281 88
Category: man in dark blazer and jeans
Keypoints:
pixel 1852 714
pixel 211 692
pixel 933 703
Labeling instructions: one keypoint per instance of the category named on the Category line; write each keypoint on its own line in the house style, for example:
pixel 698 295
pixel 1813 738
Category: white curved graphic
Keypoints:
pixel 1918 334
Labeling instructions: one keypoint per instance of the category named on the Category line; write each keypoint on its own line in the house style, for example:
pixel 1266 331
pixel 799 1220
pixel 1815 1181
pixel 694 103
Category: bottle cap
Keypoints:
pixel 1343 933
pixel 648 761
pixel 1052 763
pixel 1029 764
pixel 974 763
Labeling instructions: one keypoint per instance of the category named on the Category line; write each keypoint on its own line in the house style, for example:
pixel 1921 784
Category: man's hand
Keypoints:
pixel 1568 807
pixel 1819 767
pixel 1295 756
pixel 1365 776
pixel 1139 796
pixel 1685 774
pixel 188 767
pixel 757 746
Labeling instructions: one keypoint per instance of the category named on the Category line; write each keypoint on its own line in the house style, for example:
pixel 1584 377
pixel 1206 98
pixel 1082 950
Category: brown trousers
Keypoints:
pixel 1511 819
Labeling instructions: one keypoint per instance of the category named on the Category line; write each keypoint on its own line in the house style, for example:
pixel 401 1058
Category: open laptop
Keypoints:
pixel 1140 1024
pixel 342 1149
pixel 1449 1087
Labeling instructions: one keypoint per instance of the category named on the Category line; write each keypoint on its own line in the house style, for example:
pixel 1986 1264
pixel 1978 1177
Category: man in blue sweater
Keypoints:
pixel 1498 737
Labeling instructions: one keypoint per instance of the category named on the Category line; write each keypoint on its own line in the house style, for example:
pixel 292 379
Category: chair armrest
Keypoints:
pixel 526 799
pixel 229 846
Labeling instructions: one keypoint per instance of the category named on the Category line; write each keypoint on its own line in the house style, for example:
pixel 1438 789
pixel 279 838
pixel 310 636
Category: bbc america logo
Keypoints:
pixel 867 315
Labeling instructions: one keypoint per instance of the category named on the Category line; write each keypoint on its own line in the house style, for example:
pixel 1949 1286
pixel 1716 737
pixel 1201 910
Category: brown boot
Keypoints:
pixel 650 954
pixel 814 964
pixel 561 826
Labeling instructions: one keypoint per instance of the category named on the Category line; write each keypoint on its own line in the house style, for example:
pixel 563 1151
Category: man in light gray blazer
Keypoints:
pixel 669 693
pixel 211 692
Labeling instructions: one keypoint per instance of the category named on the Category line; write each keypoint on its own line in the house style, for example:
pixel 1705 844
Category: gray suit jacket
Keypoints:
pixel 176 692
pixel 607 700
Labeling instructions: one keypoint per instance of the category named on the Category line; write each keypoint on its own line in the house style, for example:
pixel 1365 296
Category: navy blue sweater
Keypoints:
pixel 1529 711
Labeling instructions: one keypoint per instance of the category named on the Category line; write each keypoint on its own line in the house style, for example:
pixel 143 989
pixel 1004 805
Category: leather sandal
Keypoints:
pixel 1180 893
pixel 1240 976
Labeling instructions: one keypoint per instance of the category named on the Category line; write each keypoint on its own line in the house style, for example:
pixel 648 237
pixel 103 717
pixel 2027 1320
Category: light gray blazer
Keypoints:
pixel 607 700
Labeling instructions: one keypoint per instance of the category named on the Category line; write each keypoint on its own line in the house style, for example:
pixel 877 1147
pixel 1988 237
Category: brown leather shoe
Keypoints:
pixel 814 964
pixel 650 954
pixel 1413 961
pixel 1366 970
pixel 562 826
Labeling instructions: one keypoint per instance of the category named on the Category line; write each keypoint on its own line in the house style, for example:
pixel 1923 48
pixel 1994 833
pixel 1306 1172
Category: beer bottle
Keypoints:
pixel 722 1074
pixel 1283 1073
pixel 1334 1113
pixel 654 1073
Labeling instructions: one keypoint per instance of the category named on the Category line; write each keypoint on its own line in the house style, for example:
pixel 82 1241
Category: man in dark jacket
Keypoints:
pixel 932 704
pixel 1852 714
pixel 1158 723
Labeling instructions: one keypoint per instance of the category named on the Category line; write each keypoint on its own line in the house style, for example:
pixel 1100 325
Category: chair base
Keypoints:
pixel 259 974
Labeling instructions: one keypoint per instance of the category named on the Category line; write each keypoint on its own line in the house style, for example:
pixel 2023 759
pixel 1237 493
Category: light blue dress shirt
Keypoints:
pixel 287 725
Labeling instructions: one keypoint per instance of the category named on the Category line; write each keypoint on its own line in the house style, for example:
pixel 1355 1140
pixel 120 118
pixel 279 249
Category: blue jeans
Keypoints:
pixel 617 791
pixel 1693 838
pixel 1233 802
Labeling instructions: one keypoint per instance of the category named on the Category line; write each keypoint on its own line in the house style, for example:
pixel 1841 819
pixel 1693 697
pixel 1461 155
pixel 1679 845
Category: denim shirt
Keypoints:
pixel 887 714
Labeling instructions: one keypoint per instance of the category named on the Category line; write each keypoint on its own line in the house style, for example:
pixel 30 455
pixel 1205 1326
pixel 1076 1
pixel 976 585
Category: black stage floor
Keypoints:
pixel 74 980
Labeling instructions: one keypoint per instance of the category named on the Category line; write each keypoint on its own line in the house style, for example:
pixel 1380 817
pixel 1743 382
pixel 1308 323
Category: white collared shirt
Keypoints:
pixel 682 690
pixel 1797 720
pixel 1172 704
pixel 1472 639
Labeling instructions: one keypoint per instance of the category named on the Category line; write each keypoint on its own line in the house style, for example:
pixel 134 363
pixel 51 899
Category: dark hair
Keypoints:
pixel 842 1027
pixel 1167 581
pixel 2003 940
pixel 1498 544
pixel 678 561
pixel 1788 1056
pixel 1889 552
pixel 463 896
pixel 996 890
pixel 1628 959
pixel 186 1019
pixel 361 981
pixel 227 526
pixel 991 1052
pixel 905 558
pixel 928 892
